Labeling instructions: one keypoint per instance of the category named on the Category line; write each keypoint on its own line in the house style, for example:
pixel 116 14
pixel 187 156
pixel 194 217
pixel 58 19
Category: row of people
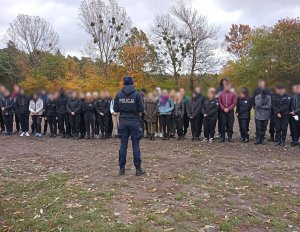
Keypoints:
pixel 166 113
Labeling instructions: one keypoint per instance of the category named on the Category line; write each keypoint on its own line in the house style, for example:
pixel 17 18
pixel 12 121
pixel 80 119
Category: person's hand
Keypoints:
pixel 226 110
pixel 237 114
pixel 46 118
pixel 115 113
pixel 205 115
pixel 101 114
pixel 293 113
pixel 279 115
pixel 191 117
pixel 2 108
pixel 72 113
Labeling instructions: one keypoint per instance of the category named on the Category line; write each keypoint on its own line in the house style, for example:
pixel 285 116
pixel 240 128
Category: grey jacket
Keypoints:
pixel 36 107
pixel 263 107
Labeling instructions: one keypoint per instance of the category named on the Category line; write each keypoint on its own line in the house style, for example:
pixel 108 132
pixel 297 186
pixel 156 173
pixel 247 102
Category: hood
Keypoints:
pixel 128 89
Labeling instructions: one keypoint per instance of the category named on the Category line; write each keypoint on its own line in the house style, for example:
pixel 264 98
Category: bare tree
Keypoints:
pixel 108 25
pixel 171 44
pixel 201 37
pixel 32 33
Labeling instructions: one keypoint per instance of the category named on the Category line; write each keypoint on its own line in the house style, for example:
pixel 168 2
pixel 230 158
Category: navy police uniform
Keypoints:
pixel 129 104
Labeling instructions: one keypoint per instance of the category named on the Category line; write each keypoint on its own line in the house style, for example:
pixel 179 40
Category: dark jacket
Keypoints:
pixel 8 104
pixel 281 104
pixel 194 107
pixel 151 111
pixel 210 108
pixel 22 104
pixel 129 103
pixel 88 107
pixel 74 105
pixel 50 109
pixel 62 105
pixel 102 106
pixel 243 108
pixel 296 104
pixel 179 110
pixel 263 107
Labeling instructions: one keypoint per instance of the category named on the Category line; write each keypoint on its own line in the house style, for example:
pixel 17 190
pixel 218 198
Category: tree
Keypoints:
pixel 200 36
pixel 172 46
pixel 109 26
pixel 236 40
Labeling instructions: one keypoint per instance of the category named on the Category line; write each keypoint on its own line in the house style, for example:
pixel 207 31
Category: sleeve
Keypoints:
pixel 31 109
pixel 140 104
pixel 171 106
pixel 10 106
pixel 232 106
pixel 188 109
pixel 106 110
pixel 41 107
pixel 183 110
pixel 79 106
pixel 68 108
pixel 111 107
pixel 222 107
pixel 116 107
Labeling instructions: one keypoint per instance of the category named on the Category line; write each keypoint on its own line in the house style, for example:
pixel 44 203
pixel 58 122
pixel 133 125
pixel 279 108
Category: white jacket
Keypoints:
pixel 36 107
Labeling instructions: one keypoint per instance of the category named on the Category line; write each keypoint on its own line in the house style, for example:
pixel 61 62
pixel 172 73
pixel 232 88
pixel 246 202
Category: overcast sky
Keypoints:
pixel 63 14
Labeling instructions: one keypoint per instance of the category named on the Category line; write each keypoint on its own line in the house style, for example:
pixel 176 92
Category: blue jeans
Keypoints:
pixel 132 129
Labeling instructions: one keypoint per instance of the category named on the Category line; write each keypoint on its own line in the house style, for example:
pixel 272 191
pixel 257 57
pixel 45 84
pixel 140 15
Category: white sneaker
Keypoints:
pixel 27 134
pixel 22 134
pixel 205 140
pixel 160 135
pixel 211 140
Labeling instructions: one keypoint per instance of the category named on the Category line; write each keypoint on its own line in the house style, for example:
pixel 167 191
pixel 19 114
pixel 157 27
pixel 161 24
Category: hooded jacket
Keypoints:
pixel 88 107
pixel 128 103
pixel 102 106
pixel 263 107
pixel 50 109
pixel 74 105
pixel 62 104
pixel 243 108
pixel 179 110
pixel 296 104
pixel 36 107
pixel 210 108
pixel 281 104
pixel 22 104
pixel 8 104
pixel 151 111
pixel 194 107
pixel 167 108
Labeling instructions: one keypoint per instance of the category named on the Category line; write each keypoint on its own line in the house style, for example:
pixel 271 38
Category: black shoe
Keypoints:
pixel 282 143
pixel 139 172
pixel 63 136
pixel 230 140
pixel 257 141
pixel 242 139
pixel 193 139
pixel 294 144
pixel 122 171
pixel 262 142
pixel 222 140
pixel 278 143
pixel 272 138
pixel 246 140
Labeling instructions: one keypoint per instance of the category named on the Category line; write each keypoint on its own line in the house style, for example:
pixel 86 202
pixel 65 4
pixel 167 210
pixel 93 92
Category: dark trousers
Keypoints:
pixel 166 123
pixel 63 124
pixel 295 130
pixel 272 124
pixel 17 121
pixel 227 121
pixel 173 125
pixel 132 129
pixel 8 121
pixel 261 128
pixel 143 124
pixel 89 119
pixel 2 125
pixel 103 123
pixel 82 126
pixel 209 128
pixel 45 125
pixel 24 121
pixel 75 124
pixel 179 122
pixel 244 127
pixel 186 123
pixel 52 124
pixel 37 123
pixel 281 127
pixel 195 126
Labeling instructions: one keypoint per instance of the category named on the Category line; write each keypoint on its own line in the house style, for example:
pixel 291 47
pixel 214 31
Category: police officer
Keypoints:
pixel 129 104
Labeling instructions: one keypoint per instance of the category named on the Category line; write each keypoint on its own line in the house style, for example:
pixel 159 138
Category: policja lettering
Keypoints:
pixel 127 100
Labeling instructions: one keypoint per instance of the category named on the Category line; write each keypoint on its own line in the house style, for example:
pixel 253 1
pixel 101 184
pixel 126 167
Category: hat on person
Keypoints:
pixel 128 81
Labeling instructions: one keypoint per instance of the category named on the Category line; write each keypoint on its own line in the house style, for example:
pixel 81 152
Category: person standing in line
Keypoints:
pixel 227 101
pixel 198 90
pixel 2 125
pixel 7 109
pixel 110 122
pixel 157 94
pixel 150 112
pixel 102 109
pixel 82 121
pixel 115 118
pixel 243 113
pixel 143 94
pixel 194 108
pixel 186 119
pixel 281 105
pixel 44 97
pixel 210 111
pixel 263 104
pixel 51 114
pixel 15 92
pixel 165 107
pixel 36 109
pixel 129 104
pixel 62 115
pixel 74 108
pixel 179 111
pixel 295 116
pixel 88 108
pixel 97 126
pixel 22 110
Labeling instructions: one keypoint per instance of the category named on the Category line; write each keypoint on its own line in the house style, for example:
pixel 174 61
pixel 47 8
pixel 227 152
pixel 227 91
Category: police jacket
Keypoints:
pixel 129 103
pixel 8 104
pixel 210 108
pixel 194 107
pixel 281 104
pixel 61 105
pixel 50 109
pixel 22 104
pixel 102 106
pixel 296 104
pixel 243 108
pixel 74 105
pixel 88 107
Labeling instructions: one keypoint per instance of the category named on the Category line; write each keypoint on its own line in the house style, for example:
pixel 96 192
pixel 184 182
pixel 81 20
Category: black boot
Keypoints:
pixel 139 171
pixel 282 142
pixel 257 141
pixel 246 140
pixel 122 171
pixel 262 141
pixel 278 142
pixel 272 138
pixel 153 136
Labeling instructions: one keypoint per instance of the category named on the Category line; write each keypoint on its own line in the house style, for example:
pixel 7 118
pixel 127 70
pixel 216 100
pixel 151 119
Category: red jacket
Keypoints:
pixel 227 100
